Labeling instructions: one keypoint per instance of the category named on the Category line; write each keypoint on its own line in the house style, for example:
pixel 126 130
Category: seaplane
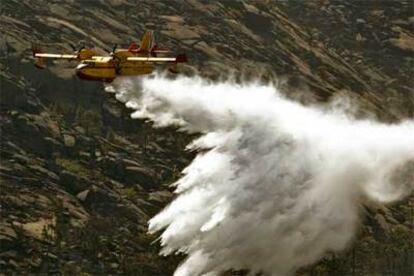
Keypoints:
pixel 133 61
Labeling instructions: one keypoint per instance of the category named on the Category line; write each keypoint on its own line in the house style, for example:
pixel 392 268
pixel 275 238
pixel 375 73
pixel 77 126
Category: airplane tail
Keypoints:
pixel 146 41
pixel 148 46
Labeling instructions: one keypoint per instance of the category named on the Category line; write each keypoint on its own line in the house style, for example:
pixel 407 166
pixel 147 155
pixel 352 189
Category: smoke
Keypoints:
pixel 277 184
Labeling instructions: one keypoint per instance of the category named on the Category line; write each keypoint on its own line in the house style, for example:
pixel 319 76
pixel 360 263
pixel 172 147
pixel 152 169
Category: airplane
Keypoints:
pixel 134 61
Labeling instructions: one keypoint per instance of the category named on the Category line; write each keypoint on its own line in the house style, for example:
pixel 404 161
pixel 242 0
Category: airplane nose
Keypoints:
pixel 80 71
pixel 80 67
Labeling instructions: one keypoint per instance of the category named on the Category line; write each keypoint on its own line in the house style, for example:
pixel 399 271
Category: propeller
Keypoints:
pixel 111 52
pixel 75 49
pixel 72 46
pixel 116 59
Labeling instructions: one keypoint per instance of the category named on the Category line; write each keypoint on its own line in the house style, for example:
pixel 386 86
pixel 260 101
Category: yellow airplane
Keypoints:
pixel 120 62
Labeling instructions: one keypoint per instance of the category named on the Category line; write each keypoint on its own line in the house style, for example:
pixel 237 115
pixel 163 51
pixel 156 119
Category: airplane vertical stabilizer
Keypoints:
pixel 147 41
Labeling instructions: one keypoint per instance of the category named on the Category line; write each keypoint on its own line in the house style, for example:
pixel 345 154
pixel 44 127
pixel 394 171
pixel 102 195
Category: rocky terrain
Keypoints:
pixel 80 179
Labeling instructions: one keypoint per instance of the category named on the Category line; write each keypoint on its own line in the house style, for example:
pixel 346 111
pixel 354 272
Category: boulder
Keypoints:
pixel 42 229
pixel 382 223
pixel 49 124
pixel 39 170
pixel 83 195
pixel 129 162
pixel 141 175
pixel 15 93
pixel 83 155
pixel 69 140
pixel 111 114
pixel 160 197
pixel 80 129
pixel 45 124
pixel 7 236
pixel 25 126
pixel 180 31
pixel 73 182
pixel 52 145
pixel 112 167
pixel 360 21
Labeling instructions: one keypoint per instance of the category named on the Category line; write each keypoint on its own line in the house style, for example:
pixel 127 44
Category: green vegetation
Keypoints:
pixel 130 193
pixel 73 166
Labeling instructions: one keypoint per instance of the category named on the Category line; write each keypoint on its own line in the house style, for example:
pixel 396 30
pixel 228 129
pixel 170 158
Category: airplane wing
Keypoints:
pixel 179 58
pixel 152 59
pixel 82 54
pixel 40 57
pixel 63 56
pixel 70 56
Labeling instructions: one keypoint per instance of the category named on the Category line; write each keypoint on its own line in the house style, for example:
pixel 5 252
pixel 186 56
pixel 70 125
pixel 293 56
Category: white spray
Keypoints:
pixel 277 185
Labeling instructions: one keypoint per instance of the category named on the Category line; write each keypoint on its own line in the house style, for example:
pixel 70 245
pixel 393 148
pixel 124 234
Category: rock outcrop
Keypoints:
pixel 80 179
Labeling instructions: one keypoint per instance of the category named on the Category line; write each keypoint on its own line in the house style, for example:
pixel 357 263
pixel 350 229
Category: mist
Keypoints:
pixel 277 184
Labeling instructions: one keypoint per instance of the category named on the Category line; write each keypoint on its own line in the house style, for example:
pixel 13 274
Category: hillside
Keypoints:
pixel 80 179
